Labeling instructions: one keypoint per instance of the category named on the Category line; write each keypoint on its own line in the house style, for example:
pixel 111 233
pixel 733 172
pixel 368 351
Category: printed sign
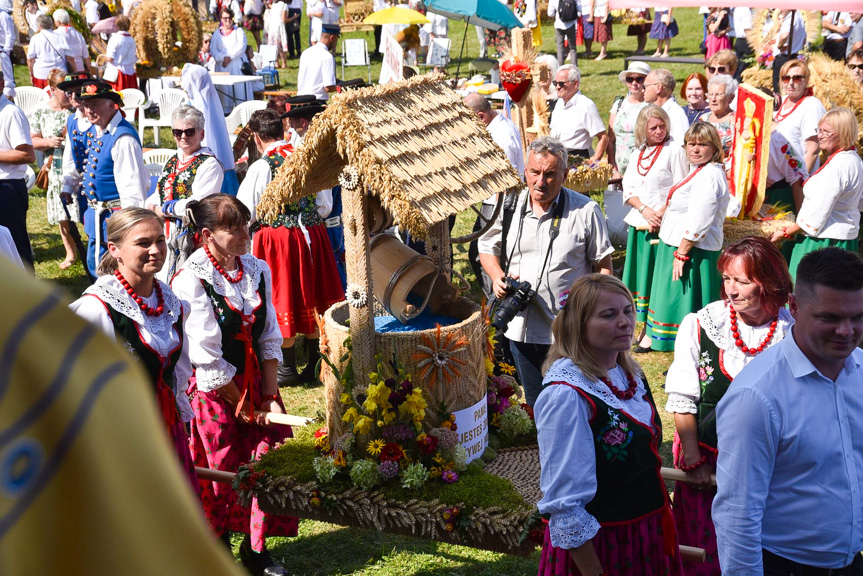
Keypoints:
pixel 472 428
pixel 394 57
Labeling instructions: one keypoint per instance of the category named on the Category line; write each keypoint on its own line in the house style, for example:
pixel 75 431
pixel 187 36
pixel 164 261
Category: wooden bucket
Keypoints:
pixel 462 391
pixel 398 272
pixel 378 217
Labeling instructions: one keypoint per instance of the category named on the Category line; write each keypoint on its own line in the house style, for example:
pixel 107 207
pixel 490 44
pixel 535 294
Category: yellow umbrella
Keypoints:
pixel 396 15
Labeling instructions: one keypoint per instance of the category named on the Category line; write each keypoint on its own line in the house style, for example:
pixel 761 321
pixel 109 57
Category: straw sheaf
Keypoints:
pixel 415 145
pixel 833 84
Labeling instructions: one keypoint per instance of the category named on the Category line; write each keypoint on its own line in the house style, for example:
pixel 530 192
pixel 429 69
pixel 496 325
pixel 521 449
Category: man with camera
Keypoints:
pixel 556 236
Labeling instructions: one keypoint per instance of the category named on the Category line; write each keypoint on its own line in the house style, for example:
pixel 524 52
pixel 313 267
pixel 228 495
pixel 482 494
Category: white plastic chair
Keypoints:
pixel 355 52
pixel 240 116
pixel 28 98
pixel 168 101
pixel 438 54
pixel 155 169
pixel 134 103
pixel 269 54
pixel 158 157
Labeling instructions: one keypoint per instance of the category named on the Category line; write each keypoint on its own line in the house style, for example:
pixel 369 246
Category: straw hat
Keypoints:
pixel 635 67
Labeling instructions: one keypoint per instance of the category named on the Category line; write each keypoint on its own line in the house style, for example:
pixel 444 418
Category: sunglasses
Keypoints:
pixel 638 79
pixel 854 66
pixel 717 69
pixel 559 84
pixel 188 132
pixel 793 78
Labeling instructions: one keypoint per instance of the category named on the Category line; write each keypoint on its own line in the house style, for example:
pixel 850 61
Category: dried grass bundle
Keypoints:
pixel 736 230
pixel 167 33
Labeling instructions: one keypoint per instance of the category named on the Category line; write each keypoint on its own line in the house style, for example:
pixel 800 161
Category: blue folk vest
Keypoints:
pixel 98 169
pixel 78 139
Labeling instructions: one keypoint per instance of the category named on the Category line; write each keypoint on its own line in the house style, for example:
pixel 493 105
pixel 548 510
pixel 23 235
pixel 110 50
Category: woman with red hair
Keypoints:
pixel 712 347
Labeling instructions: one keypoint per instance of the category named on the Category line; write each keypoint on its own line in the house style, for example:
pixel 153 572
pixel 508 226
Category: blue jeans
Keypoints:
pixel 528 360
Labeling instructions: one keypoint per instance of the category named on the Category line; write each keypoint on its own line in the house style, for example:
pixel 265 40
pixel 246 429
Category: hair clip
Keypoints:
pixel 562 299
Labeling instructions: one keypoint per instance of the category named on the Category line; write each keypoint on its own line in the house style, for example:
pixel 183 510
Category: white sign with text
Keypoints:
pixel 394 57
pixel 472 428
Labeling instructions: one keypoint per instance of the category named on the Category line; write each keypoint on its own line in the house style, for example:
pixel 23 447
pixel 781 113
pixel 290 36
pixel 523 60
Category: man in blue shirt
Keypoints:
pixel 790 470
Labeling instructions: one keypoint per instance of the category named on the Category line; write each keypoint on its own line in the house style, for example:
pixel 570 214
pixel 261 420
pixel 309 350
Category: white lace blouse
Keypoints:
pixel 567 455
pixel 158 331
pixel 212 371
pixel 683 383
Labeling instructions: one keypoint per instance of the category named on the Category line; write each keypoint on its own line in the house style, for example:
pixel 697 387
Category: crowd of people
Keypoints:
pixel 210 296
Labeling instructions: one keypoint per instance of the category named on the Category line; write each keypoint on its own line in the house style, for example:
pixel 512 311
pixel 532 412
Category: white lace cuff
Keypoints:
pixel 271 350
pixel 214 375
pixel 571 529
pixel 184 407
pixel 680 404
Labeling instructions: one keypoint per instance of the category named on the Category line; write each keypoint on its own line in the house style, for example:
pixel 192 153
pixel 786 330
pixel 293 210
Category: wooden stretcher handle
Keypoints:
pixel 287 419
pixel 214 475
pixel 680 475
pixel 690 554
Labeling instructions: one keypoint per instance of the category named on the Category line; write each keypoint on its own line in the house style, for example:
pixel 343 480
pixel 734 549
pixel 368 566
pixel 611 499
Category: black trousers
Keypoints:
pixel 835 49
pixel 742 49
pixel 294 46
pixel 378 31
pixel 775 565
pixel 14 203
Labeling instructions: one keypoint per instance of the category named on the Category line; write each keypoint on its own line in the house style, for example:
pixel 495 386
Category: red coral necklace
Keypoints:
pixel 683 183
pixel 221 270
pixel 650 158
pixel 735 333
pixel 160 299
pixel 622 394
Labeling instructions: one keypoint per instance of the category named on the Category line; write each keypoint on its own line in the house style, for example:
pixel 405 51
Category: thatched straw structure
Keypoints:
pixel 413 144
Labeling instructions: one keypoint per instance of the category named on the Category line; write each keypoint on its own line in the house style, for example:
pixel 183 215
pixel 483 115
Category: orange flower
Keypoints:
pixel 437 356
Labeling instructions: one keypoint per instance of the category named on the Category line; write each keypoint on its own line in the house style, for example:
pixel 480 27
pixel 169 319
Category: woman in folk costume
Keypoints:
pixel 599 434
pixel 234 348
pixel 712 347
pixel 128 303
pixel 193 173
pixel 121 52
pixel 203 96
pixel 295 245
pixel 830 212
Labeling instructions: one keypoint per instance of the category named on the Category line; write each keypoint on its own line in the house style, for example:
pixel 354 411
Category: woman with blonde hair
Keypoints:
pixel 797 116
pixel 830 213
pixel 690 239
pixel 121 54
pixel 599 434
pixel 48 131
pixel 656 164
pixel 128 303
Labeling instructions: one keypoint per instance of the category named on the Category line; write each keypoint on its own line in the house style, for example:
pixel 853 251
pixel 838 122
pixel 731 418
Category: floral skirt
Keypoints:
pixel 305 276
pixel 638 268
pixel 633 549
pixel 602 31
pixel 220 442
pixel 253 22
pixel 693 518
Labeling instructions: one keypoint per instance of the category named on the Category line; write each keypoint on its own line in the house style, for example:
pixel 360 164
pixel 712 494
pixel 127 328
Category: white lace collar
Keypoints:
pixel 245 290
pixel 715 320
pixel 563 370
pixel 109 290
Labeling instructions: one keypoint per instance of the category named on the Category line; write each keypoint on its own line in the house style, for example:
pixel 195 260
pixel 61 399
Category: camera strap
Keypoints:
pixel 553 231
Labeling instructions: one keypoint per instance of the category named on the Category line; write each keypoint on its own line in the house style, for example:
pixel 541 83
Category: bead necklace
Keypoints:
pixel 221 270
pixel 779 116
pixel 735 333
pixel 160 299
pixel 682 183
pixel 826 162
pixel 651 158
pixel 622 394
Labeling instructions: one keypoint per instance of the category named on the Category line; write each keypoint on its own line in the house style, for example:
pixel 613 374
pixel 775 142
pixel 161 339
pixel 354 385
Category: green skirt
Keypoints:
pixel 638 268
pixel 805 244
pixel 671 301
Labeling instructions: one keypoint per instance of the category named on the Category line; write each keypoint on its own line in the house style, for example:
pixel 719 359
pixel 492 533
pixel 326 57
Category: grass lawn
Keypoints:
pixel 327 549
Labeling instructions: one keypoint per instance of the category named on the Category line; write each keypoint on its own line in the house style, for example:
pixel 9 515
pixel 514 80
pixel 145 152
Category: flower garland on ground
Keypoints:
pixel 387 443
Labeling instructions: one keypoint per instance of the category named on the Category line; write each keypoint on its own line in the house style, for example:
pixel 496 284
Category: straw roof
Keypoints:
pixel 414 144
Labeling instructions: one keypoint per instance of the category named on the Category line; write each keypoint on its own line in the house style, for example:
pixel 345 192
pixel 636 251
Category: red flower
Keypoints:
pixel 427 445
pixel 322 431
pixel 392 452
pixel 527 409
pixel 506 392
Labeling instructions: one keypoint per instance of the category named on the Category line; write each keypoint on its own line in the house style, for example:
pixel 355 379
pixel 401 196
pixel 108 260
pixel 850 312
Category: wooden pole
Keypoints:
pixel 286 419
pixel 680 475
pixel 690 554
pixel 215 475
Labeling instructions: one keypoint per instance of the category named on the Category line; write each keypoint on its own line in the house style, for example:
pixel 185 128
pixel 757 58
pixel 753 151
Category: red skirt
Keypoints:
pixel 125 81
pixel 305 277
pixel 38 82
pixel 181 445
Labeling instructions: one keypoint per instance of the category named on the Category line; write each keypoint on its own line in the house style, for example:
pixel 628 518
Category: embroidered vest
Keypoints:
pixel 179 184
pixel 78 141
pixel 337 202
pixel 628 485
pixel 291 214
pixel 230 322
pixel 98 168
pixel 713 385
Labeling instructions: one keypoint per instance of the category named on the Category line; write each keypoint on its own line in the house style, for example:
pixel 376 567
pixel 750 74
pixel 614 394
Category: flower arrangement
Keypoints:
pixel 506 415
pixel 386 442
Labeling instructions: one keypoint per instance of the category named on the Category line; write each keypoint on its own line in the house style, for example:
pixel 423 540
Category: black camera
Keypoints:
pixel 518 296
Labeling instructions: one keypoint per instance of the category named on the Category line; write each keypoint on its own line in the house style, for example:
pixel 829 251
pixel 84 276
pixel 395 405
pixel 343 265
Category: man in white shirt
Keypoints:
pixel 16 152
pixel 114 175
pixel 47 50
pixel 795 39
pixel 505 134
pixel 8 35
pixel 317 74
pixel 78 49
pixel 91 12
pixel 575 120
pixel 742 21
pixel 562 29
pixel 659 90
pixel 836 28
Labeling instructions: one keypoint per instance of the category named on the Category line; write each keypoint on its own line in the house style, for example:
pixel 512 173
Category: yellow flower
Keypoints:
pixel 389 416
pixel 507 369
pixel 350 415
pixel 435 472
pixel 363 425
pixel 375 446
pixel 489 366
pixel 438 458
pixel 346 398
pixel 378 397
pixel 339 460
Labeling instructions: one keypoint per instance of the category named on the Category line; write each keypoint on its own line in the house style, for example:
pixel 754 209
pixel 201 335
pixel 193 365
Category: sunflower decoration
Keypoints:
pixel 437 358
